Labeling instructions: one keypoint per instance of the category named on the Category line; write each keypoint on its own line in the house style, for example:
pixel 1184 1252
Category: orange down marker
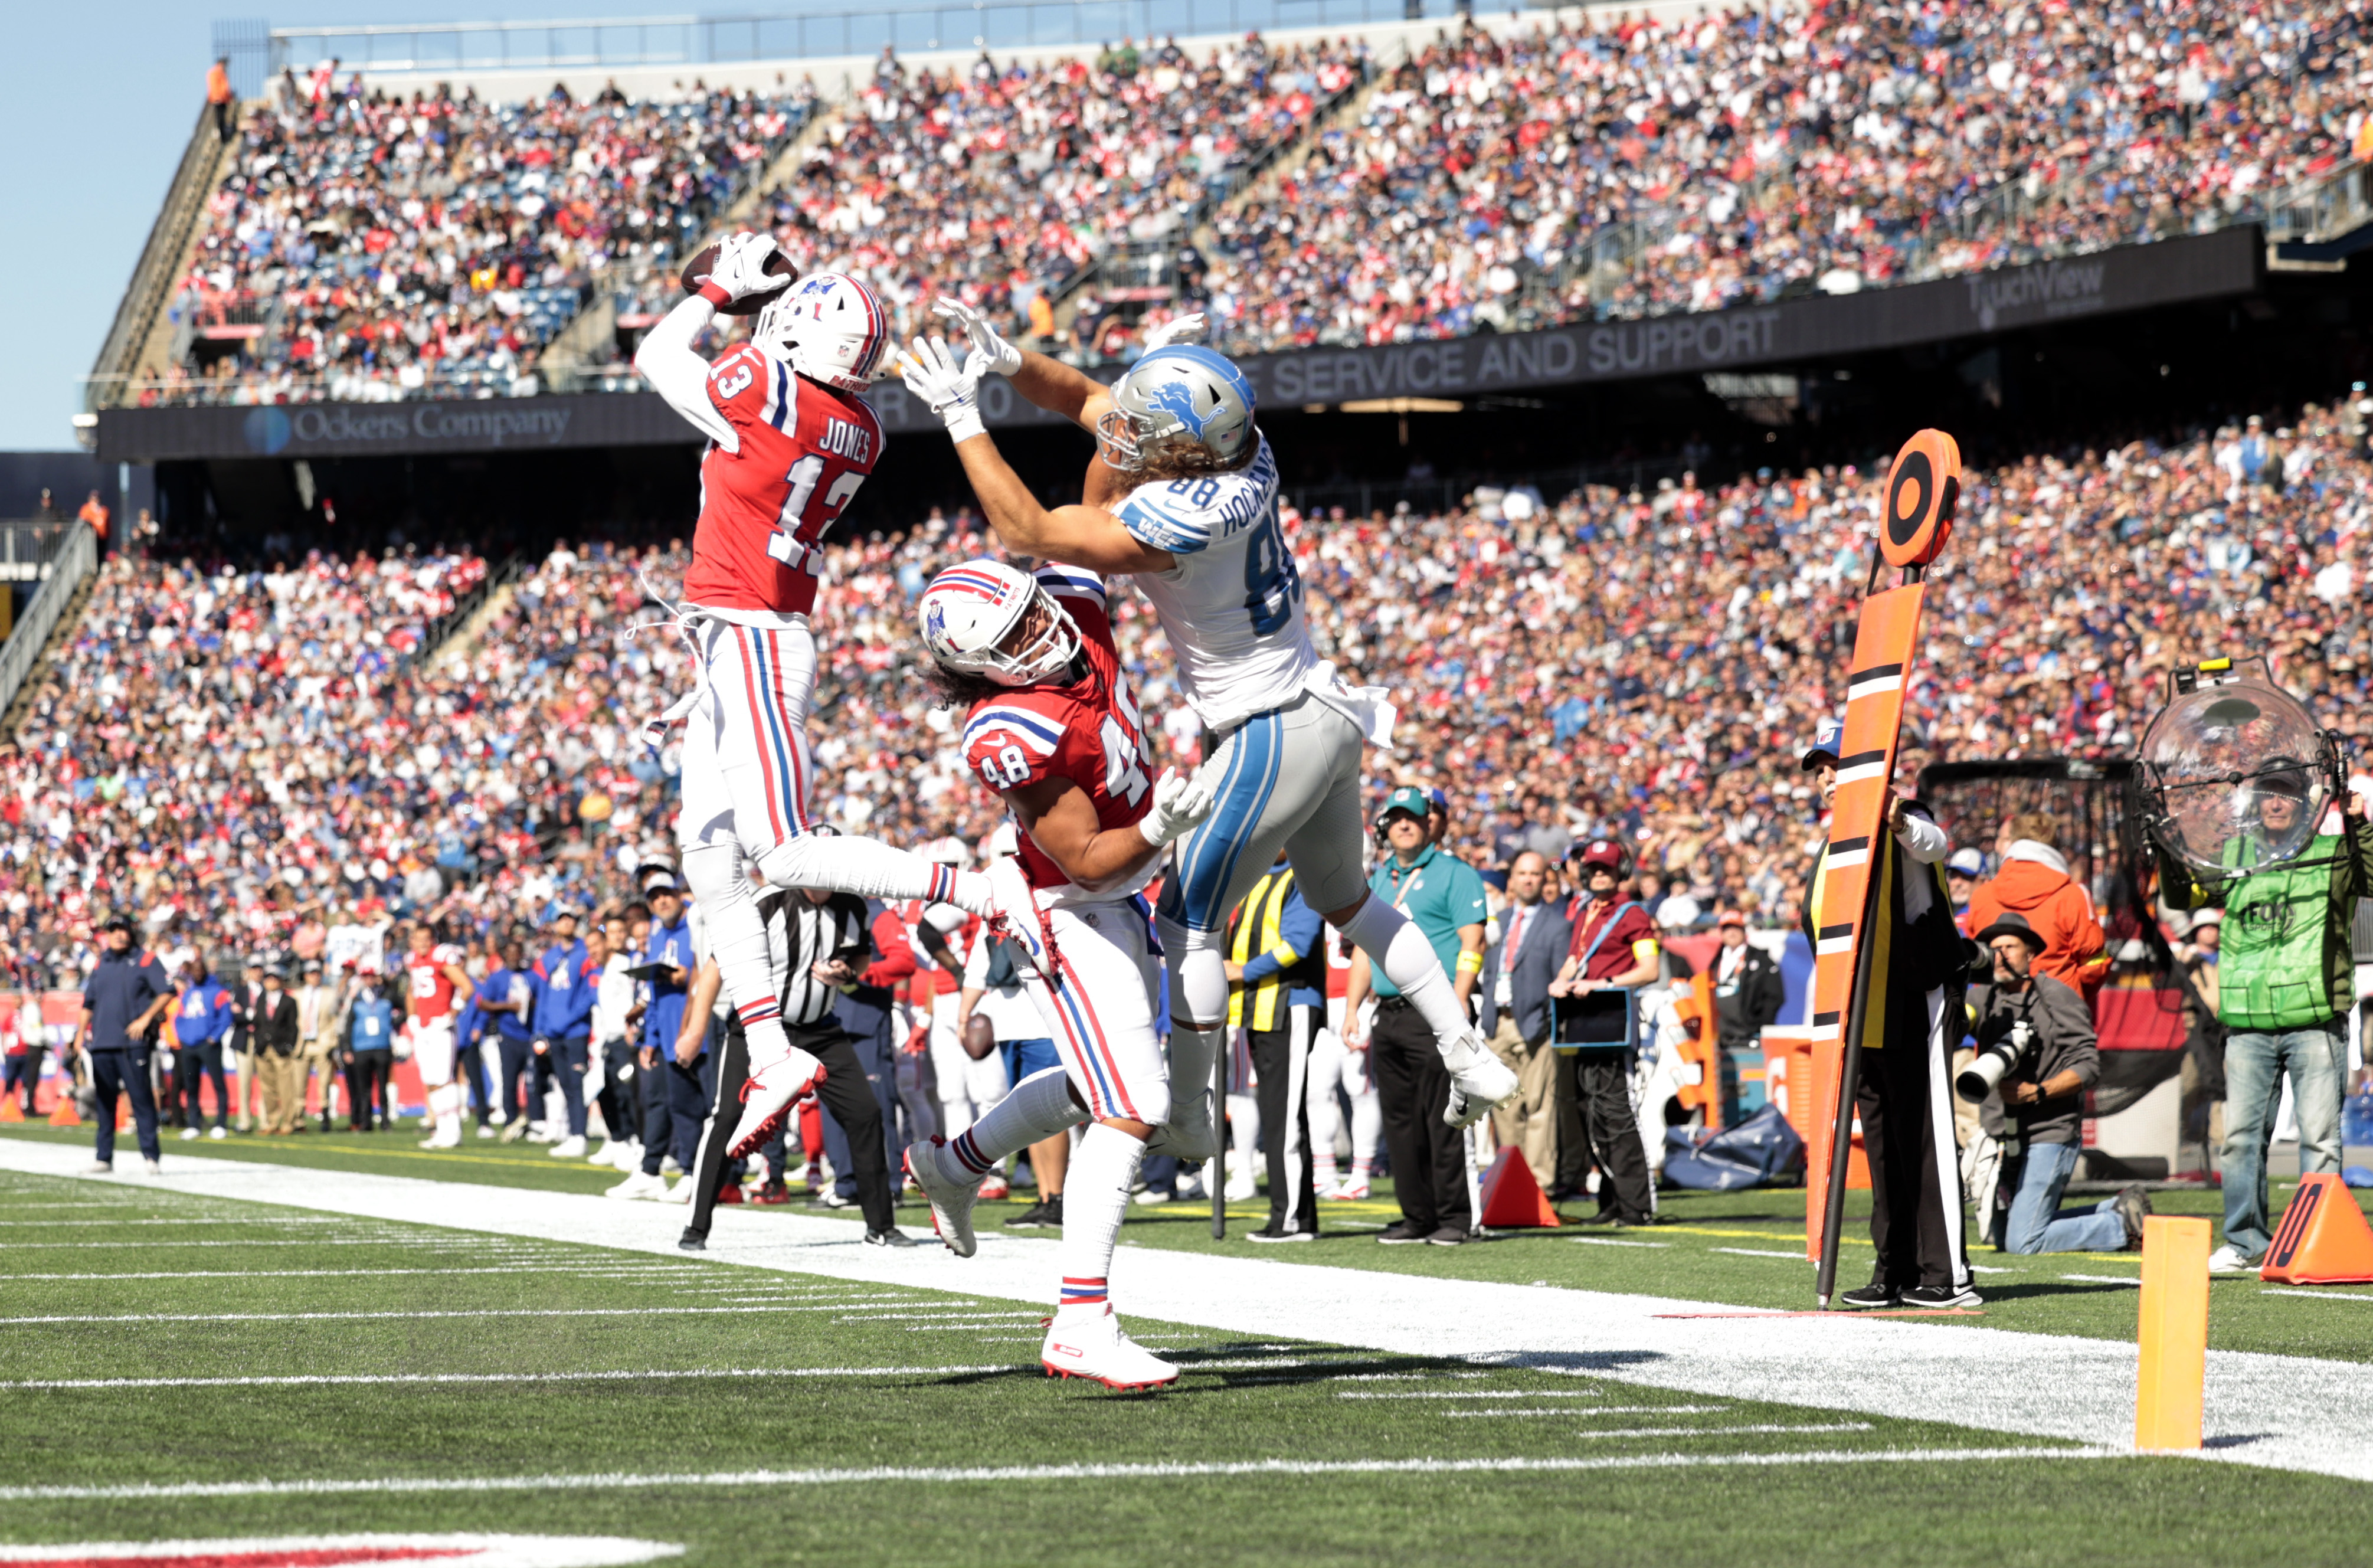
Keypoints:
pixel 2323 1239
pixel 2173 1375
pixel 1511 1198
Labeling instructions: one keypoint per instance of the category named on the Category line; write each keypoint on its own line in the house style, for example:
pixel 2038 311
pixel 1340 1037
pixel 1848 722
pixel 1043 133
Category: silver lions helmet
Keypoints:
pixel 1182 399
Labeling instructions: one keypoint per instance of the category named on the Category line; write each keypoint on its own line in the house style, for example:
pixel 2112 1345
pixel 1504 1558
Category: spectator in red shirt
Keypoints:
pixel 1613 949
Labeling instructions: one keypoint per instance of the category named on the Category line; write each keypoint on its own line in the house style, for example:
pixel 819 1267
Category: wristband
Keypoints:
pixel 966 424
pixel 715 295
pixel 1470 962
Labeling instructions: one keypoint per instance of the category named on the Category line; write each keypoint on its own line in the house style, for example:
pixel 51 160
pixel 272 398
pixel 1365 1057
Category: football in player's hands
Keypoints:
pixel 726 264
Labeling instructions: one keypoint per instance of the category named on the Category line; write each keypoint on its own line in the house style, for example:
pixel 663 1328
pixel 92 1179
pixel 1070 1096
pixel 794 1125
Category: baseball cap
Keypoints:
pixel 1606 852
pixel 1968 862
pixel 1408 798
pixel 1437 801
pixel 1730 917
pixel 1827 736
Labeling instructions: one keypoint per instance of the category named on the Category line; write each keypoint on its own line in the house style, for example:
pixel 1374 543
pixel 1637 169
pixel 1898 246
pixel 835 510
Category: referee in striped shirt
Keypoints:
pixel 818 942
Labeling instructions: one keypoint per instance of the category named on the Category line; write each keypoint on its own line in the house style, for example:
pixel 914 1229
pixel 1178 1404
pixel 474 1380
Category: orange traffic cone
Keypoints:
pixel 10 1110
pixel 123 1113
pixel 63 1114
pixel 1511 1198
pixel 2323 1239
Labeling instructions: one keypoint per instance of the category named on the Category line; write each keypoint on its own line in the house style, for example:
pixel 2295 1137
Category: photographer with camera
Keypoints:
pixel 2036 1057
pixel 2286 982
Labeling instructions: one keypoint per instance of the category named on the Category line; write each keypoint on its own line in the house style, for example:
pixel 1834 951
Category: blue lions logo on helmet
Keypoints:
pixel 1177 398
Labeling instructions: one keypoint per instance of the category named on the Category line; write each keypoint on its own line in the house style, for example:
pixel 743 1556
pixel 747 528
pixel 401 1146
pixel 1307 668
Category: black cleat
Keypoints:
pixel 1400 1233
pixel 1869 1298
pixel 1934 1296
pixel 692 1240
pixel 893 1236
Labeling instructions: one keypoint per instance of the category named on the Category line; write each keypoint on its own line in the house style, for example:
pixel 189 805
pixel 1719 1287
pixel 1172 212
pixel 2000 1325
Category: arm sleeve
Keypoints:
pixel 1922 838
pixel 679 374
pixel 898 954
pixel 975 969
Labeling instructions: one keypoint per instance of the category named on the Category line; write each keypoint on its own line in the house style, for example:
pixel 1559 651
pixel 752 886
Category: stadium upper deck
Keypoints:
pixel 369 242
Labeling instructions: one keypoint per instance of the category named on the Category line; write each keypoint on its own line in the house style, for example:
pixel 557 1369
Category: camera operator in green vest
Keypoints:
pixel 2285 981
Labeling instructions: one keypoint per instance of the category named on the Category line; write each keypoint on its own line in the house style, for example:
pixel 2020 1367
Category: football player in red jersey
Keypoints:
pixel 434 978
pixel 1052 730
pixel 789 442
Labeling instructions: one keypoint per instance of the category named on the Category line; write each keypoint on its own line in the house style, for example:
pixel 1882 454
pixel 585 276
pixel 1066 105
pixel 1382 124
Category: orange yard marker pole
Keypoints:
pixel 2173 1334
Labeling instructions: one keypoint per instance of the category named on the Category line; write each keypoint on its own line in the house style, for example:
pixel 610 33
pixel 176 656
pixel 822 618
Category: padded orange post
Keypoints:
pixel 1511 1198
pixel 1701 1045
pixel 2173 1334
pixel 2323 1239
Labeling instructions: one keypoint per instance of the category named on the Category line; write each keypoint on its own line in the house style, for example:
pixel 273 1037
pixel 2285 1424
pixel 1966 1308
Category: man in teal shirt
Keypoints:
pixel 1443 896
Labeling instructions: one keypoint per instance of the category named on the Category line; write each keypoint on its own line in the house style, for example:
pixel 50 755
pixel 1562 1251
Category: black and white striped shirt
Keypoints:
pixel 801 934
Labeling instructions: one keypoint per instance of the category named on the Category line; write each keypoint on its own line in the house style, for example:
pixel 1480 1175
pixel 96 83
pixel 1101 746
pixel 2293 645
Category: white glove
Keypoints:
pixel 1180 801
pixel 741 265
pixel 1189 328
pixel 952 391
pixel 1003 357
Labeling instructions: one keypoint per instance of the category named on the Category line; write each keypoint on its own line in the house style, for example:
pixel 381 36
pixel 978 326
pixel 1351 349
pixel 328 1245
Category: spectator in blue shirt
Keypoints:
pixel 670 957
pixel 563 1013
pixel 126 993
pixel 201 1020
pixel 507 996
pixel 370 1056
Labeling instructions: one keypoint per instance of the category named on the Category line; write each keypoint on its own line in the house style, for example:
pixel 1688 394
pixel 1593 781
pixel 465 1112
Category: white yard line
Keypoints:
pixel 1610 1241
pixel 2288 1412
pixel 2314 1295
pixel 634 1271
pixel 645 1311
pixel 138 1492
pixel 1585 1413
pixel 2134 1279
pixel 404 1378
pixel 1750 1252
pixel 1475 1393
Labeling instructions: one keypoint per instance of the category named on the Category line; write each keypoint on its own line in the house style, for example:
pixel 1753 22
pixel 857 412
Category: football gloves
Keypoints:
pixel 1189 328
pixel 952 390
pixel 1181 800
pixel 742 267
pixel 1002 356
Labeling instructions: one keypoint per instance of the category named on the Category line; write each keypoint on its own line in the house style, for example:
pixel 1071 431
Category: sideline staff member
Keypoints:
pixel 1277 967
pixel 123 996
pixel 1613 949
pixel 1443 897
pixel 1918 975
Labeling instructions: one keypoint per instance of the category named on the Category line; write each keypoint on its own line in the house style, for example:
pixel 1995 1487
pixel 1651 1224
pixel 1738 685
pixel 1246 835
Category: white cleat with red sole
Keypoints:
pixel 951 1199
pixel 1088 1342
pixel 768 1096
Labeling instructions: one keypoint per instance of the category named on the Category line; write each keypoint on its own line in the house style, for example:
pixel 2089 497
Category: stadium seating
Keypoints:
pixel 1632 167
pixel 363 248
pixel 367 248
pixel 235 748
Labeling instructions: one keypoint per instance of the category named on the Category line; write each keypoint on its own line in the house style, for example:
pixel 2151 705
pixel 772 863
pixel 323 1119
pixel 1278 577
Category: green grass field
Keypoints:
pixel 577 1390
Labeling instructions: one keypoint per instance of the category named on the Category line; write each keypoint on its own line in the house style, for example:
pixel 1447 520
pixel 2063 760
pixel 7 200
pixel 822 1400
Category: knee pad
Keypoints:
pixel 1199 975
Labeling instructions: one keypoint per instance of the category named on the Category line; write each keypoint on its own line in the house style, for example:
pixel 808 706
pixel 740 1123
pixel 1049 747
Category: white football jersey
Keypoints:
pixel 1232 607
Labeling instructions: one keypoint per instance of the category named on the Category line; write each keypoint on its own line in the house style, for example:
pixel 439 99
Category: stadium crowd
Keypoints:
pixel 263 760
pixel 1631 166
pixel 362 246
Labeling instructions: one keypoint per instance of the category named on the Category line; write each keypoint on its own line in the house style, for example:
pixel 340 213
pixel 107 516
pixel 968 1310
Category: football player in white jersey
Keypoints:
pixel 1182 494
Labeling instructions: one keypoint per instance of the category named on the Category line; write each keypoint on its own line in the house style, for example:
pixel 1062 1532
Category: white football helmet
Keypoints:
pixel 827 327
pixel 969 610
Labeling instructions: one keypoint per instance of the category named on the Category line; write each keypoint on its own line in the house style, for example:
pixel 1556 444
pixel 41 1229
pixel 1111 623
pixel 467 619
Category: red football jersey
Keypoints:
pixel 805 448
pixel 1088 733
pixel 432 989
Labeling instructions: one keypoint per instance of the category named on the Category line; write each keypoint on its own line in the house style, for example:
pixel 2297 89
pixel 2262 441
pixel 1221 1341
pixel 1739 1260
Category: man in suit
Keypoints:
pixel 278 1064
pixel 1748 994
pixel 1518 965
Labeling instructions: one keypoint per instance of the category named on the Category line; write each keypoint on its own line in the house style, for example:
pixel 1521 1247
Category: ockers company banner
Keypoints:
pixel 2129 278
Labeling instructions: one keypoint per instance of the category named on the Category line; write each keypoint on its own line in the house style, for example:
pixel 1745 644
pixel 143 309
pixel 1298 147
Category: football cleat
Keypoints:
pixel 639 1185
pixel 768 1096
pixel 994 1189
pixel 1479 1081
pixel 1088 1342
pixel 1353 1190
pixel 951 1200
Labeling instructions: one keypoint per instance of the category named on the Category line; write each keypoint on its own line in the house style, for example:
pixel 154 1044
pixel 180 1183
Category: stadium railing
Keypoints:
pixel 160 259
pixel 434 636
pixel 73 555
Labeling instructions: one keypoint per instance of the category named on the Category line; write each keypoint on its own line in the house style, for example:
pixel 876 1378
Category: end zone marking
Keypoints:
pixel 138 1491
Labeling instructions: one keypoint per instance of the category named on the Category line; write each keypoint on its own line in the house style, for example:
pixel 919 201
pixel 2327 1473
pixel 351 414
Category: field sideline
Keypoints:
pixel 248 1348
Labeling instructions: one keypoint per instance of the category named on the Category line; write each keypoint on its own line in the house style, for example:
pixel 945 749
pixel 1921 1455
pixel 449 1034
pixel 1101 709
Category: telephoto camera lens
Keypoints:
pixel 1992 1064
